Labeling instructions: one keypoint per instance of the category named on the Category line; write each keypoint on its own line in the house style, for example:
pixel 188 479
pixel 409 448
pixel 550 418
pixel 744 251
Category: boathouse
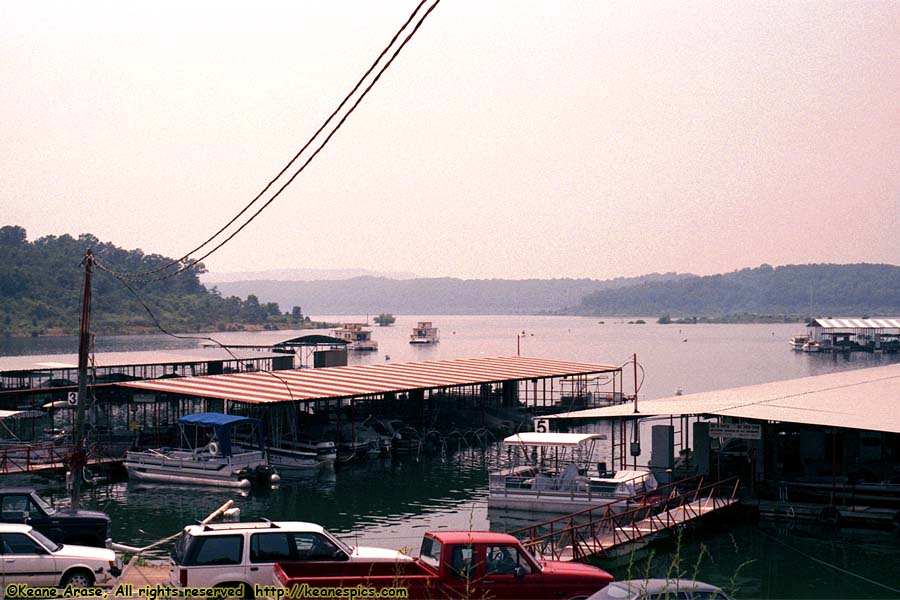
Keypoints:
pixel 833 439
pixel 848 335
pixel 458 394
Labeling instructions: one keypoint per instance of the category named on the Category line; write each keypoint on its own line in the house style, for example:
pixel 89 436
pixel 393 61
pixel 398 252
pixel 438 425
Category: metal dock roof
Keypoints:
pixel 134 358
pixel 365 380
pixel 858 323
pixel 858 399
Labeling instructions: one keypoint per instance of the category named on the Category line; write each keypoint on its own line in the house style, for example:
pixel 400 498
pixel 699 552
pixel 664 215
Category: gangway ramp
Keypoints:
pixel 620 526
pixel 46 457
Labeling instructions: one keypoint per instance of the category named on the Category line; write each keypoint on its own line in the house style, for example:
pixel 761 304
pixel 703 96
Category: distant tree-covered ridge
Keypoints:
pixel 432 295
pixel 41 283
pixel 817 290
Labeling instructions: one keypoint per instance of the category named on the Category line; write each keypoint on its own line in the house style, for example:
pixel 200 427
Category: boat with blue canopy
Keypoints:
pixel 215 449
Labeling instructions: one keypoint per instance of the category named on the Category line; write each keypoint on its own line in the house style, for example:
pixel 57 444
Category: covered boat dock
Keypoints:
pixel 829 439
pixel 490 392
pixel 849 335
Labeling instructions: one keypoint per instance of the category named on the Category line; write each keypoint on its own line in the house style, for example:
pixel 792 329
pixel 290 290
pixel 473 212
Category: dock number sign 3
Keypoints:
pixel 73 398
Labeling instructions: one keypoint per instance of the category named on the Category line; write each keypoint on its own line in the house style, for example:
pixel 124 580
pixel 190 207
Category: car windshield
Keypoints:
pixel 45 541
pixel 43 504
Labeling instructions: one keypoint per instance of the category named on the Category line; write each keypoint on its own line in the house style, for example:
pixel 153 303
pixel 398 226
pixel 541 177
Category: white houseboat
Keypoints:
pixel 359 339
pixel 424 333
pixel 217 450
pixel 559 476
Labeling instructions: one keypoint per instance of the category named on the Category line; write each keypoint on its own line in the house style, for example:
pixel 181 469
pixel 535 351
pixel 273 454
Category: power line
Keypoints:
pixel 321 146
pixel 185 262
pixel 194 337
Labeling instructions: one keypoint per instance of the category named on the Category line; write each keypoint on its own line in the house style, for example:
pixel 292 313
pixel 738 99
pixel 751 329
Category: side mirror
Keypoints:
pixel 519 573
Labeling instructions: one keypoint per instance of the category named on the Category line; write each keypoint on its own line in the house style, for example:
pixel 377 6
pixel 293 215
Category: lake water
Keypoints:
pixel 390 502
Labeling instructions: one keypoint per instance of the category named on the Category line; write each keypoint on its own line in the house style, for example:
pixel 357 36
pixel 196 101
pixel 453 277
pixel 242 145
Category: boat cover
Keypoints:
pixel 223 425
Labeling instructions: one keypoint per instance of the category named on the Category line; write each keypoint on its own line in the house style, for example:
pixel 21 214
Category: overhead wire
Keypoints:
pixel 196 337
pixel 123 277
pixel 191 262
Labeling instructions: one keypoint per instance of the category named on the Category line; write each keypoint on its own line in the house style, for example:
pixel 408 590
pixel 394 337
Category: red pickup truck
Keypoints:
pixel 451 564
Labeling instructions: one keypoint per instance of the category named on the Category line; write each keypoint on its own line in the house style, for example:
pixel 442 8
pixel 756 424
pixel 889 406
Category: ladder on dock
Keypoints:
pixel 616 527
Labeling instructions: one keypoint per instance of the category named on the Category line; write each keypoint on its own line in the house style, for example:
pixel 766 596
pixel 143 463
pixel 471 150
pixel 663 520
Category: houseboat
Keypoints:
pixel 216 450
pixel 424 333
pixel 359 339
pixel 559 476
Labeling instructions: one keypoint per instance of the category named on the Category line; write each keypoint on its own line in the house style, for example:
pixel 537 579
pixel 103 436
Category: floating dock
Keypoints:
pixel 622 526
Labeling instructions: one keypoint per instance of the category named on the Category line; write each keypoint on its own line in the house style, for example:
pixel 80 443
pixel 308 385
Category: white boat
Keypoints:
pixel 302 454
pixel 359 339
pixel 401 437
pixel 424 333
pixel 217 450
pixel 797 340
pixel 560 477
pixel 811 346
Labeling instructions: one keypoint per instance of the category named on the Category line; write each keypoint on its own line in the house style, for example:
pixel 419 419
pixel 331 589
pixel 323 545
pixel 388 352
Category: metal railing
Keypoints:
pixel 29 457
pixel 595 531
pixel 24 458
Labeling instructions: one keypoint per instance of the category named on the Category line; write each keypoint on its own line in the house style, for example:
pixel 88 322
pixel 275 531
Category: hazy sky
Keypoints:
pixel 509 139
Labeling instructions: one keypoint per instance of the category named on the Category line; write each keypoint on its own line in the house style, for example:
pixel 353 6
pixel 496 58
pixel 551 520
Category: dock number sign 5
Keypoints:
pixel 542 425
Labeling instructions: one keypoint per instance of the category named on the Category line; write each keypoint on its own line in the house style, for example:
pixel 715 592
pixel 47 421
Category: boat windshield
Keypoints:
pixel 42 504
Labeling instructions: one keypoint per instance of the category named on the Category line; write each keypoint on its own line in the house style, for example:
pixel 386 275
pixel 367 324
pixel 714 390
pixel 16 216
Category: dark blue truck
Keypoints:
pixel 63 526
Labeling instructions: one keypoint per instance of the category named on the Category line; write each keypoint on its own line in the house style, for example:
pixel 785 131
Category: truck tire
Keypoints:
pixel 78 578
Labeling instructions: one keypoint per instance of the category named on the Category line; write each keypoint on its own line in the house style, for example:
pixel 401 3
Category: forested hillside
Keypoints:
pixel 41 283
pixel 801 290
pixel 435 296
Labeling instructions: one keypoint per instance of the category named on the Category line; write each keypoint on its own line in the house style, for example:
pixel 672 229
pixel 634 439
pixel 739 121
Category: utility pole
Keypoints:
pixel 634 361
pixel 78 458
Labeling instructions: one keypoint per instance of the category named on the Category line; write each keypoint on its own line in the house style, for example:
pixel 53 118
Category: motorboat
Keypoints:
pixel 797 340
pixel 354 441
pixel 290 454
pixel 402 438
pixel 357 338
pixel 811 346
pixel 216 450
pixel 424 333
pixel 559 476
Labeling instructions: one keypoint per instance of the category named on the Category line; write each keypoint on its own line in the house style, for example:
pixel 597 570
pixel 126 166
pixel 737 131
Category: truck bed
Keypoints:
pixel 357 570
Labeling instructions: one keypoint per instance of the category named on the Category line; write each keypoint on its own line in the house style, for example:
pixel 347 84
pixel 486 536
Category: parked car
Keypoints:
pixel 32 558
pixel 65 526
pixel 230 554
pixel 660 589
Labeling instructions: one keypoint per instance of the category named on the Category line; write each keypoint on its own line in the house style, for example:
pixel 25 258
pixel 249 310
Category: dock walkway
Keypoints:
pixel 620 526
pixel 43 457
